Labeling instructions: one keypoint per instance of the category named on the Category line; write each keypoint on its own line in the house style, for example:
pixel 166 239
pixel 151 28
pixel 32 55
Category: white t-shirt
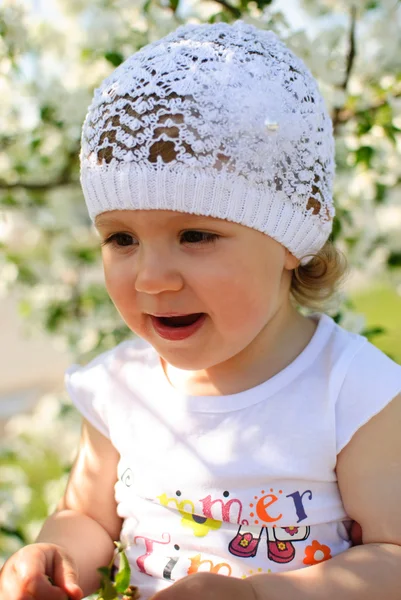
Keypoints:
pixel 236 484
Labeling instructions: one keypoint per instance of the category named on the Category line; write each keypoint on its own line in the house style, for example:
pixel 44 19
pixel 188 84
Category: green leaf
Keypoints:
pixel 24 308
pixel 107 589
pixel 390 132
pixel 146 6
pixel 394 260
pixel 381 192
pixel 115 58
pixel 371 332
pixel 35 143
pixel 365 122
pixel 337 227
pixel 86 54
pixel 124 573
pixel 8 200
pixel 262 3
pixel 384 114
pixel 86 255
pixel 27 275
pixel 364 155
pixel 37 198
pixel 47 113
pixel 10 532
pixel 351 241
pixel 57 313
pixel 20 168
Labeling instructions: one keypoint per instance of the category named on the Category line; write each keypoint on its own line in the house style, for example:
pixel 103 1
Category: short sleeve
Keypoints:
pixel 371 381
pixel 86 388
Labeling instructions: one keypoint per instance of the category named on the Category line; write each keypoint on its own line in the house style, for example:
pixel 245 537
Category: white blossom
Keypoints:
pixel 52 59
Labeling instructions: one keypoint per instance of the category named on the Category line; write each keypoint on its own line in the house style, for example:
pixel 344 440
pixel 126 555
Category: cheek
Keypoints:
pixel 243 294
pixel 117 283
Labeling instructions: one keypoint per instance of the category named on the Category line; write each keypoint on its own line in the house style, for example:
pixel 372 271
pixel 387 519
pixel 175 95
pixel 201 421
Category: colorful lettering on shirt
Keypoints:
pixel 204 520
pixel 207 565
pixel 200 525
pixel 140 561
pixel 227 513
pixel 299 507
pixel 169 567
pixel 262 504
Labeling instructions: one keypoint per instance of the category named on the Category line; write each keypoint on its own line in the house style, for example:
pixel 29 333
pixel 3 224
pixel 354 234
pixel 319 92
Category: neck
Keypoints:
pixel 279 343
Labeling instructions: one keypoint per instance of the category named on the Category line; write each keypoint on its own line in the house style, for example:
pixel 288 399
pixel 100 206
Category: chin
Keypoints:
pixel 186 363
pixel 192 361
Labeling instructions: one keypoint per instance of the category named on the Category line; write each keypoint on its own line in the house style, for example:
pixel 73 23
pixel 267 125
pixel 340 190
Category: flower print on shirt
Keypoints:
pixel 316 553
pixel 291 530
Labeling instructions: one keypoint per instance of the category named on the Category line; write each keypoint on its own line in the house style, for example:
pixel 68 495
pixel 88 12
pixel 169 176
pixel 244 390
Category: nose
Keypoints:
pixel 157 272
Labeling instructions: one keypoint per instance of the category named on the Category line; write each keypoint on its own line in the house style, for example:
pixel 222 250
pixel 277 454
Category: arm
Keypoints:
pixel 85 522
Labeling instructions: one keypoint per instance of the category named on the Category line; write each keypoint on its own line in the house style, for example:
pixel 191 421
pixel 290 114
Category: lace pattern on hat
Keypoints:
pixel 214 119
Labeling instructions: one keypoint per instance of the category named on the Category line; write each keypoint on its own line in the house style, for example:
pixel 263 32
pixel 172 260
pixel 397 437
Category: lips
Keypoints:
pixel 177 327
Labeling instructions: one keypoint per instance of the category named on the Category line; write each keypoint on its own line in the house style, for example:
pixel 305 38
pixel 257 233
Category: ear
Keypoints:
pixel 291 261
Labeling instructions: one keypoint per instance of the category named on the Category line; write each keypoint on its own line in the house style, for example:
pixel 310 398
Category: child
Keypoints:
pixel 232 442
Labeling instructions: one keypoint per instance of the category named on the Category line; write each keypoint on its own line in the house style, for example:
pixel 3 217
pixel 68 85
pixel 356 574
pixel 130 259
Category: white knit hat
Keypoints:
pixel 220 120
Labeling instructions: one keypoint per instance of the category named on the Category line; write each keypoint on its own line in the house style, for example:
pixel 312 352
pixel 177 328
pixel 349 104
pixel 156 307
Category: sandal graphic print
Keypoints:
pixel 246 542
pixel 280 548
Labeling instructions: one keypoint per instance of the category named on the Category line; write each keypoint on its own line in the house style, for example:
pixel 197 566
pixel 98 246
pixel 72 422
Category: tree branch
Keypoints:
pixel 345 114
pixel 35 187
pixel 349 64
pixel 232 9
pixel 65 177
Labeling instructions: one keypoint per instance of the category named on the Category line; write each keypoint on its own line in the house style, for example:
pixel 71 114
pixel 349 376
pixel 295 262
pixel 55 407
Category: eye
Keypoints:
pixel 124 240
pixel 119 239
pixel 198 237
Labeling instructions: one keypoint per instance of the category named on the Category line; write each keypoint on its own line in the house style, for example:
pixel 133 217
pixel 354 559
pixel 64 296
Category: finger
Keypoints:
pixel 42 589
pixel 32 579
pixel 10 586
pixel 66 577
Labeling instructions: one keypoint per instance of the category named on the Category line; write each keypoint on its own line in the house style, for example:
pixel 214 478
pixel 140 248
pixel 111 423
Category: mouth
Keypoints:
pixel 178 320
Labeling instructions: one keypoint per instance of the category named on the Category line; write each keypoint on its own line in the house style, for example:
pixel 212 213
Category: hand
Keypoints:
pixel 40 572
pixel 208 586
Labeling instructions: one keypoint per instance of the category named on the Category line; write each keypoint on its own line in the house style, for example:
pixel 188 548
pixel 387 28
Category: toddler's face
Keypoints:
pixel 160 262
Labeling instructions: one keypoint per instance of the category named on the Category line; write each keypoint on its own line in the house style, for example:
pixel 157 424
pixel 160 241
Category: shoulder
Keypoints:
pixel 366 367
pixel 133 351
pixel 91 386
pixel 363 381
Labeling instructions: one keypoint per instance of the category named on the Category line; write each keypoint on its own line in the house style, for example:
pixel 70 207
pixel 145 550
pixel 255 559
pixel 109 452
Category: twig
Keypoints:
pixel 64 178
pixel 37 187
pixel 345 114
pixel 233 9
pixel 349 64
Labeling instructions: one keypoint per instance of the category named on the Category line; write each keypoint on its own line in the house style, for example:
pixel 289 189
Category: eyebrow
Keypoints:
pixel 104 220
pixel 108 221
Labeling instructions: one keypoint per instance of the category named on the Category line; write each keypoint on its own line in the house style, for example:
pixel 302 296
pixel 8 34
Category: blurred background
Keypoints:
pixel 54 309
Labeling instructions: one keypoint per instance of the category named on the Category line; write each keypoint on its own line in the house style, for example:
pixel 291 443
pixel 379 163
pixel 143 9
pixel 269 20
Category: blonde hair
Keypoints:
pixel 313 285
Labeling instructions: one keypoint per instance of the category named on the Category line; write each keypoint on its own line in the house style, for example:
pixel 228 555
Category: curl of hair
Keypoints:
pixel 313 285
